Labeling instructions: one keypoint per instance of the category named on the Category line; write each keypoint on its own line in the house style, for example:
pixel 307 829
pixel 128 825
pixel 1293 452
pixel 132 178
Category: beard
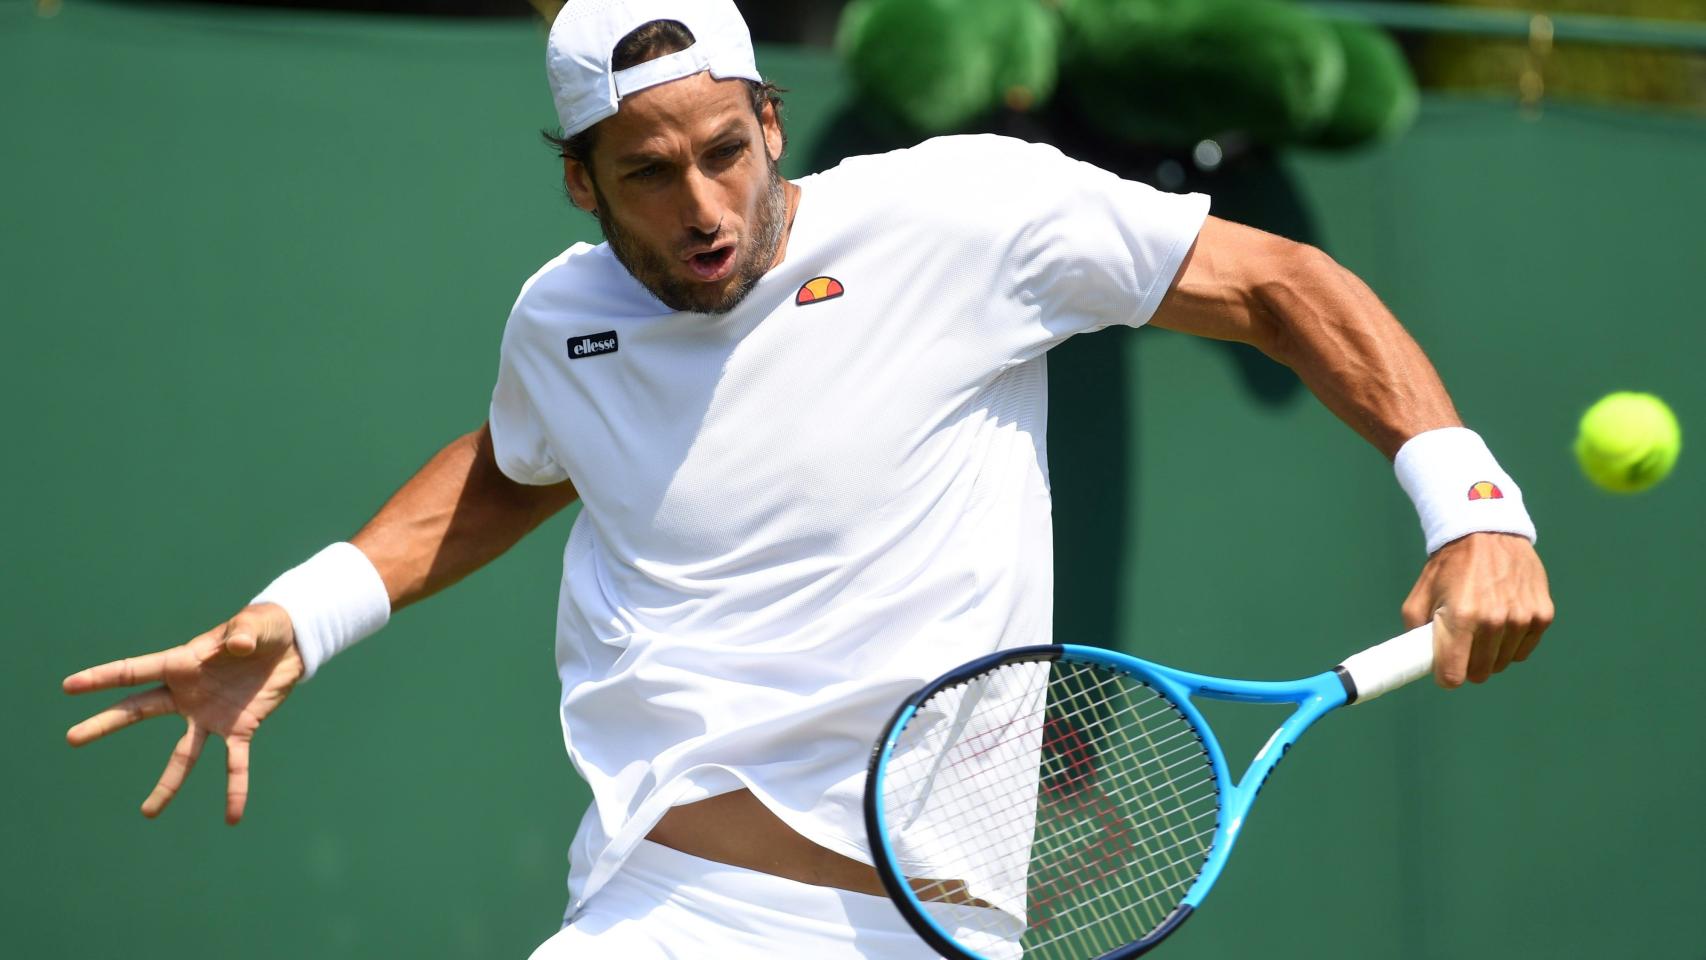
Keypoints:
pixel 754 254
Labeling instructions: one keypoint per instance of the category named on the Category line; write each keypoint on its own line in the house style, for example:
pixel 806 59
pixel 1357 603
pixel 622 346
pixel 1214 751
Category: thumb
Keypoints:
pixel 264 627
pixel 1452 645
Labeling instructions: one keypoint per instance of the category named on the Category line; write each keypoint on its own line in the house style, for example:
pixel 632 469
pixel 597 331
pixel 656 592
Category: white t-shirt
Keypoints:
pixel 796 512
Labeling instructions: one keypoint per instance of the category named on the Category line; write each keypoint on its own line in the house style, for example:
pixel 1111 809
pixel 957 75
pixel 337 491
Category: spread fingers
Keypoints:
pixel 178 766
pixel 136 707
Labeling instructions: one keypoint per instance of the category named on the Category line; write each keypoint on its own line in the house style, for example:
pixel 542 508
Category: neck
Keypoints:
pixel 792 193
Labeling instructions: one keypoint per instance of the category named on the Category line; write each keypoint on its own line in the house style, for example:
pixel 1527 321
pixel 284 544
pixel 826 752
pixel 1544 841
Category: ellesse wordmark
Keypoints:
pixel 592 344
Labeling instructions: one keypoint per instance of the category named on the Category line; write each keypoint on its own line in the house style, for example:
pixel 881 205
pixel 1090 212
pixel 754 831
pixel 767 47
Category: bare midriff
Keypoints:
pixel 739 830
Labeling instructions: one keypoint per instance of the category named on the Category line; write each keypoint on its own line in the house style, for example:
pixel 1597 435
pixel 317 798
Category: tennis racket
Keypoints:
pixel 1066 802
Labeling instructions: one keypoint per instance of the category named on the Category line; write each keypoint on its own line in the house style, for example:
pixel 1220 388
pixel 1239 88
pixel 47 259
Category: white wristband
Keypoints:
pixel 1458 488
pixel 334 599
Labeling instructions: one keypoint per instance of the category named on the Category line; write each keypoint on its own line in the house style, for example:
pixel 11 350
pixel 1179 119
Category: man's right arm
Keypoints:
pixel 455 515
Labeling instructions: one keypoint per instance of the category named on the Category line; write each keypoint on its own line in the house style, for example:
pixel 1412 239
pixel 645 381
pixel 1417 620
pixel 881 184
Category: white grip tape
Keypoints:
pixel 1387 666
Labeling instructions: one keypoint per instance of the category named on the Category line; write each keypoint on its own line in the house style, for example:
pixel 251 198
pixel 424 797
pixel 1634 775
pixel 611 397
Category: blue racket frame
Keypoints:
pixel 1314 696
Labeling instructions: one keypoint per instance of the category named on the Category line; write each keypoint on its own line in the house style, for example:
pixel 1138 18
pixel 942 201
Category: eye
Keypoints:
pixel 646 172
pixel 729 151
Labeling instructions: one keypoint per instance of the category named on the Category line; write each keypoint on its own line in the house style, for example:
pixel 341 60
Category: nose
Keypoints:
pixel 701 209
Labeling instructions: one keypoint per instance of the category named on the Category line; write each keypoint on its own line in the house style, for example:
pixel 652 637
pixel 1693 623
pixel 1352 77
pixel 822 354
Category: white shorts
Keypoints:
pixel 668 905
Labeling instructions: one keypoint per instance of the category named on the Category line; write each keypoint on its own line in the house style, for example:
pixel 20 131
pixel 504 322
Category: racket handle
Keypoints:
pixel 1387 666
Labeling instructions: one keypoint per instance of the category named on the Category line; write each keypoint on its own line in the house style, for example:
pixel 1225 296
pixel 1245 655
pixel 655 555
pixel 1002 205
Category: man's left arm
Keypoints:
pixel 1486 592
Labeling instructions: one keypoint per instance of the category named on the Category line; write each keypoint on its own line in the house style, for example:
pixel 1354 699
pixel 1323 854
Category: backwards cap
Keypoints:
pixel 577 56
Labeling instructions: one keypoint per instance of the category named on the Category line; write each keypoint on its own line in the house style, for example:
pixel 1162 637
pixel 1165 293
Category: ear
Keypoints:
pixel 578 179
pixel 772 127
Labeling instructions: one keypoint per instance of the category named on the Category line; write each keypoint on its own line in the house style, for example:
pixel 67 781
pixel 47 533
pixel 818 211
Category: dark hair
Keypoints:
pixel 649 41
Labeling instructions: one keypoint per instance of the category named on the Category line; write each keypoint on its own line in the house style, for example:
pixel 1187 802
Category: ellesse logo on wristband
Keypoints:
pixel 592 344
pixel 1486 490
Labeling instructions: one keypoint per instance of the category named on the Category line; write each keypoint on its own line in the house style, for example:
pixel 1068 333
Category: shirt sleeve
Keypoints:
pixel 1095 249
pixel 519 437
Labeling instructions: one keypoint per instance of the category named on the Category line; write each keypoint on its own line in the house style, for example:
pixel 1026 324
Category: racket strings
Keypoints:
pixel 1170 838
pixel 1187 751
pixel 1073 799
pixel 1150 826
pixel 1061 749
pixel 1188 841
pixel 1126 921
pixel 1045 852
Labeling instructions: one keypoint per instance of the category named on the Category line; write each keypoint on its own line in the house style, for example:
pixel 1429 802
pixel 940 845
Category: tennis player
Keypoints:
pixel 806 422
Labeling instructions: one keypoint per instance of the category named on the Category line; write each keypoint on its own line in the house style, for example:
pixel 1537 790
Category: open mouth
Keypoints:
pixel 712 265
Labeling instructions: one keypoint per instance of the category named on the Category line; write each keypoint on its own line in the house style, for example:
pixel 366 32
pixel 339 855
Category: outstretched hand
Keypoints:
pixel 1488 598
pixel 224 682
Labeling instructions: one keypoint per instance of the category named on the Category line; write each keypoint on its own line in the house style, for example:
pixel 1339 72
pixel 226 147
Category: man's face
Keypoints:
pixel 683 180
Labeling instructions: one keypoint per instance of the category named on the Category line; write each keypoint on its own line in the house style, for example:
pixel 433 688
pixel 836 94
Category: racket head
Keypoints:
pixel 1062 801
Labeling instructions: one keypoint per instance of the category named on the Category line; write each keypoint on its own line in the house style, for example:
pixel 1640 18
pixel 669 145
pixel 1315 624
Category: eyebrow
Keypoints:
pixel 642 157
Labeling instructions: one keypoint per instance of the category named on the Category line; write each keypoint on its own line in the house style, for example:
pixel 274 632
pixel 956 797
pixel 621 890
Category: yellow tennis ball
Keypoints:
pixel 1628 441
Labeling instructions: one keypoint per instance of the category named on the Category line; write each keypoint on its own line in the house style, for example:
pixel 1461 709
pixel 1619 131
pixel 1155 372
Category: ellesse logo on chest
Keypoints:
pixel 592 344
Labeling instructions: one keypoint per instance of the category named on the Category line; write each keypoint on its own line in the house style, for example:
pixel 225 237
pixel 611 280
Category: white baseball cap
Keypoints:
pixel 577 56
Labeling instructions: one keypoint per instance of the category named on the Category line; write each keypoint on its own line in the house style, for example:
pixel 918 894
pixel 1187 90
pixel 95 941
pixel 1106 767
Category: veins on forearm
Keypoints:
pixel 1352 353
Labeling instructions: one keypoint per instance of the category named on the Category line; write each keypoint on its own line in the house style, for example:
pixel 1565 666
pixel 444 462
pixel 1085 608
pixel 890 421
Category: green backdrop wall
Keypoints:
pixel 254 270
